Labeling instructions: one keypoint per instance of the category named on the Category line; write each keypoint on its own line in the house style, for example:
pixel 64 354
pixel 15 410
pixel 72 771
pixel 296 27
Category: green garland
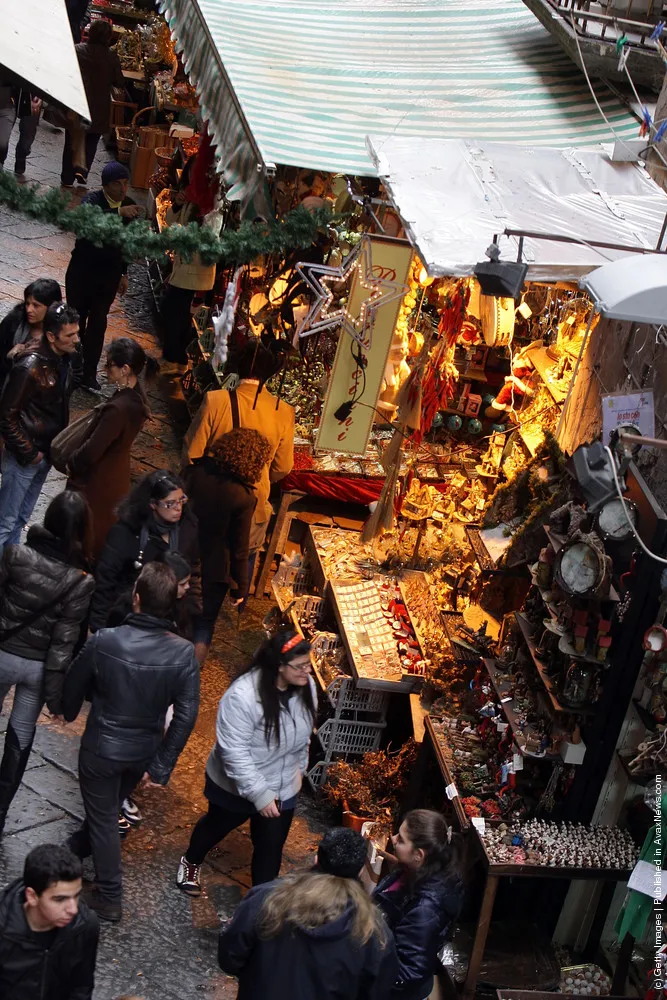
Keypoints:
pixel 137 240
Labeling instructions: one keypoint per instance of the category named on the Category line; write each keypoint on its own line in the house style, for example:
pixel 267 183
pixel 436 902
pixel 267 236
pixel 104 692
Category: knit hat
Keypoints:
pixel 342 852
pixel 115 171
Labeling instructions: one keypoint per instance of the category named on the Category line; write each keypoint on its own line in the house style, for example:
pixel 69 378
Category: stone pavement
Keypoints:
pixel 165 946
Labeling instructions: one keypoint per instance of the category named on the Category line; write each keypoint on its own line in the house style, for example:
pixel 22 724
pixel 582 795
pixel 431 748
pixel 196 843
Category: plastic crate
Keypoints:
pixel 326 644
pixel 298 579
pixel 340 736
pixel 318 774
pixel 345 696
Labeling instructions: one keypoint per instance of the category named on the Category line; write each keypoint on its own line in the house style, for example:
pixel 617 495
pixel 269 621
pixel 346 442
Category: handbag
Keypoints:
pixel 31 619
pixel 66 444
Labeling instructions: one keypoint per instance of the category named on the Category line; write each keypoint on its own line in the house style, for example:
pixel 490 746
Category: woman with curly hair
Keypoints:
pixel 220 486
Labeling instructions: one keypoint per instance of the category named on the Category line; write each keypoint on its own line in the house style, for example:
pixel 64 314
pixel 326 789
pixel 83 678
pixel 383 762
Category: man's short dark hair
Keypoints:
pixel 342 852
pixel 48 864
pixel 59 315
pixel 156 588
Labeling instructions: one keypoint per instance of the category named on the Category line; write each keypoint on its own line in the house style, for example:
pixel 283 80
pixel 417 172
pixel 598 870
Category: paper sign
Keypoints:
pixel 451 791
pixel 389 263
pixel 634 408
pixel 501 726
pixel 518 762
pixel 649 880
pixel 479 823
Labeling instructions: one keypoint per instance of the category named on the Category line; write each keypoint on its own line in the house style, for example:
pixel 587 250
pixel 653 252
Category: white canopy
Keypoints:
pixel 454 195
pixel 36 44
pixel 633 289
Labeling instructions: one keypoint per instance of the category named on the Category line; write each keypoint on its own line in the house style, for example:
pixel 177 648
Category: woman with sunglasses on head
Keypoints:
pixel 100 469
pixel 153 520
pixel 421 899
pixel 265 720
pixel 21 329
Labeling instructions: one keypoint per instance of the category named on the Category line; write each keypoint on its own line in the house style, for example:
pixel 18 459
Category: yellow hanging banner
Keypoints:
pixel 378 283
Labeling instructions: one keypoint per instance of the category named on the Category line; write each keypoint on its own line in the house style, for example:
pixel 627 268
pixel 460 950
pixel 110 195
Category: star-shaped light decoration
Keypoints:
pixel 319 277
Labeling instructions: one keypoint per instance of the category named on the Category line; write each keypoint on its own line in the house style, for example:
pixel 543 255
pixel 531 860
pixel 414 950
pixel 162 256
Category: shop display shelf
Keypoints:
pixel 565 646
pixel 451 620
pixel 636 779
pixel 502 691
pixel 542 673
pixel 450 783
pixel 647 719
pixel 532 438
pixel 548 871
pixel 477 545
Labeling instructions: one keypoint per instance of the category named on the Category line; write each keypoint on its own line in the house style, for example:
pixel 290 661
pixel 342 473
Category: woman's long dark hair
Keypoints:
pixel 429 831
pixel 267 660
pixel 126 351
pixel 68 519
pixel 136 507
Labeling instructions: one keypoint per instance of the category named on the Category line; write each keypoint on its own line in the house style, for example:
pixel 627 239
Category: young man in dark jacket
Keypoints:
pixel 132 674
pixel 48 937
pixel 34 407
pixel 97 274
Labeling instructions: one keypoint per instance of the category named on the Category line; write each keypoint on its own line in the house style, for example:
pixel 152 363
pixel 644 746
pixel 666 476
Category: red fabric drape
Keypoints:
pixel 352 489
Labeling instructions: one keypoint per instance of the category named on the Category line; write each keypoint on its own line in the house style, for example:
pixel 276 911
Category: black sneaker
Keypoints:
pixel 90 384
pixel 131 811
pixel 124 825
pixel 104 908
pixel 19 170
pixel 188 878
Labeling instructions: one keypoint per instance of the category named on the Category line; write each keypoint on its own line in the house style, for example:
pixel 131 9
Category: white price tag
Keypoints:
pixel 451 791
pixel 506 699
pixel 478 823
pixel 501 726
pixel 518 762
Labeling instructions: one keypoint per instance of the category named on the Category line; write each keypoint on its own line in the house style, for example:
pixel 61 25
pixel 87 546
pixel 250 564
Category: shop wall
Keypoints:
pixel 620 356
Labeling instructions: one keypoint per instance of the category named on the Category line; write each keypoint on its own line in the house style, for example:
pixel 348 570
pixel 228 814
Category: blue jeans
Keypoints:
pixel 19 489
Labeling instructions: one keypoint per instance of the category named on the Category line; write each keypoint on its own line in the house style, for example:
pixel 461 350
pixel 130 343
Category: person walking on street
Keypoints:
pixel 421 900
pixel 95 275
pixel 45 591
pixel 23 327
pixel 48 936
pixel 249 405
pixel 100 469
pixel 265 720
pixel 132 674
pixel 186 279
pixel 18 102
pixel 154 519
pixel 34 407
pixel 312 935
pixel 223 500
pixel 100 71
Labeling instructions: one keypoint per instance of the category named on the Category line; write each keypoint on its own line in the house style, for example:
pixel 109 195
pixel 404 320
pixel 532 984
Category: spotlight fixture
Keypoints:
pixel 503 279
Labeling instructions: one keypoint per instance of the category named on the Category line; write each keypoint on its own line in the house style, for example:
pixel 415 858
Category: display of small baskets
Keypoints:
pixel 125 135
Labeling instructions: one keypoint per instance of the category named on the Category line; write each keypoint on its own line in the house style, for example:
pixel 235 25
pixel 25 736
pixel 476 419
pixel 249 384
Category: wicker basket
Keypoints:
pixel 163 155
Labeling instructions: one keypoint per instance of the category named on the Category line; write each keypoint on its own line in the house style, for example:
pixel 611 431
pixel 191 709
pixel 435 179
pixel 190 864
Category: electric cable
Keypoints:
pixel 646 549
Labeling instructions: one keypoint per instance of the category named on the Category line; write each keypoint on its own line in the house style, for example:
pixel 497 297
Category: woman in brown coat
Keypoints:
pixel 100 469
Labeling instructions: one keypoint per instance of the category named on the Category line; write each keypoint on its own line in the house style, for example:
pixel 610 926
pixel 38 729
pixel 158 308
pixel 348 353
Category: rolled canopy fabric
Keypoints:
pixel 36 44
pixel 303 82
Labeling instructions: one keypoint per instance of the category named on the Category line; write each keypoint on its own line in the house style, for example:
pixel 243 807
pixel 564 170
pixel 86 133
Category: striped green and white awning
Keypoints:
pixel 303 82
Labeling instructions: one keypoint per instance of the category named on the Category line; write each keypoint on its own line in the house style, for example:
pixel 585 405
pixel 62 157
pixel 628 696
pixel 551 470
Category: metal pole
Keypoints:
pixel 555 238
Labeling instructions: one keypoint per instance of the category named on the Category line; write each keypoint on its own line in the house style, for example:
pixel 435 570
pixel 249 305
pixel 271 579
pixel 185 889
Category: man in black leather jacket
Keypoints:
pixel 132 674
pixel 48 937
pixel 34 407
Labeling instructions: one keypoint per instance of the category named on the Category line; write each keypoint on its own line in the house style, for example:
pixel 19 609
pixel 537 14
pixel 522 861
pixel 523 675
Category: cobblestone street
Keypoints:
pixel 165 946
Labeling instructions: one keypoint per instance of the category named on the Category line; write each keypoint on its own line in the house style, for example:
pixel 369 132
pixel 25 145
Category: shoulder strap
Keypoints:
pixel 234 402
pixel 31 619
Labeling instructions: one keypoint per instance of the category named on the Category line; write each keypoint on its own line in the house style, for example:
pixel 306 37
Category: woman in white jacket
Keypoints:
pixel 265 720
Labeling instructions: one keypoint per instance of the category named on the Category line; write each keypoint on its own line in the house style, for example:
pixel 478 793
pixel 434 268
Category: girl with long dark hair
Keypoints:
pixel 100 469
pixel 22 326
pixel 45 591
pixel 154 519
pixel 265 720
pixel 421 900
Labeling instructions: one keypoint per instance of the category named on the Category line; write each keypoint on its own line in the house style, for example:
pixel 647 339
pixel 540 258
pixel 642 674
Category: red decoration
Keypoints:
pixel 204 181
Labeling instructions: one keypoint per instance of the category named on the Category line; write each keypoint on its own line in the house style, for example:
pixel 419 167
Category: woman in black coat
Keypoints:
pixel 224 501
pixel 421 900
pixel 45 591
pixel 22 326
pixel 154 519
pixel 100 469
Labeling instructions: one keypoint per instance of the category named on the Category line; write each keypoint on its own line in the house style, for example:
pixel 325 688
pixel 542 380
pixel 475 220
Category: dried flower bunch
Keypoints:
pixel 372 786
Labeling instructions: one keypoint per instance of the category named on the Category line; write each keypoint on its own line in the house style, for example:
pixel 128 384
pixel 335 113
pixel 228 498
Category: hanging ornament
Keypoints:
pixel 497 317
pixel 223 324
pixel 320 277
pixel 454 422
